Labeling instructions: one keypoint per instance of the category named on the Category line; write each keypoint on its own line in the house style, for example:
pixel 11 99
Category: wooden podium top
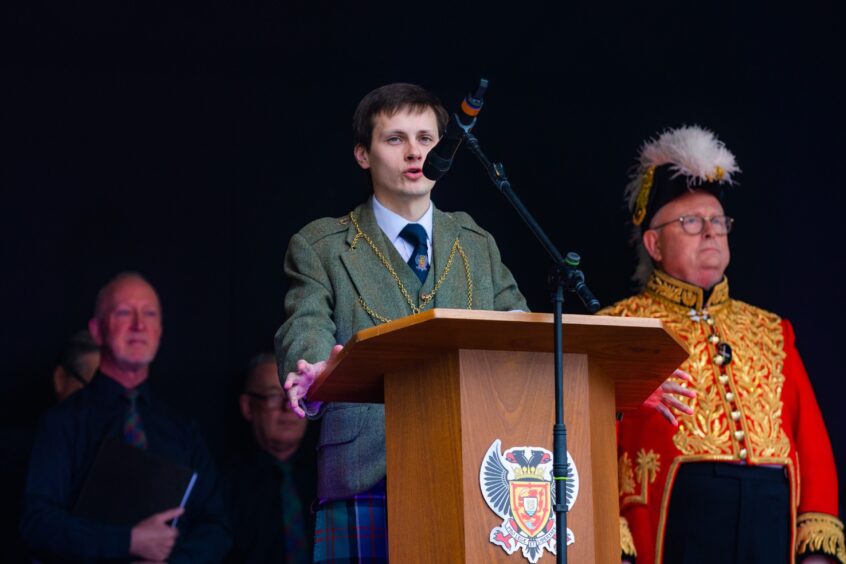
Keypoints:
pixel 638 353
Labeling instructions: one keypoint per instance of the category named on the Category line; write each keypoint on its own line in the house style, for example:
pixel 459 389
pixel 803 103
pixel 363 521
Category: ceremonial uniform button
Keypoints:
pixel 724 351
pixel 710 321
pixel 738 435
pixel 713 339
pixel 724 379
pixel 742 454
pixel 735 415
pixel 719 360
pixel 729 396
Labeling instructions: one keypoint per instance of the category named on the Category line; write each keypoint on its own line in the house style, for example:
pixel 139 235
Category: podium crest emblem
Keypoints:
pixel 517 486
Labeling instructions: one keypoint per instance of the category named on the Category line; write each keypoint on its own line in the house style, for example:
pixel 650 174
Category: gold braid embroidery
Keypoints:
pixel 426 298
pixel 642 201
pixel 626 539
pixel 648 465
pixel 758 379
pixel 682 293
pixel 755 376
pixel 820 533
pixel 625 475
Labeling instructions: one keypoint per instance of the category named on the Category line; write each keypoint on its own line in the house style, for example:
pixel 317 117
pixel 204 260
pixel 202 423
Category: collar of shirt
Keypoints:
pixel 391 224
pixel 106 389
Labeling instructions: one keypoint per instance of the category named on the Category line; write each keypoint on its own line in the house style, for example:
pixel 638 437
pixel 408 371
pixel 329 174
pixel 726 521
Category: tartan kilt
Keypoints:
pixel 352 530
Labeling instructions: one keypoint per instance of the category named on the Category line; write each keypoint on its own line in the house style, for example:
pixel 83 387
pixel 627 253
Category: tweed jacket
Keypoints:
pixel 338 285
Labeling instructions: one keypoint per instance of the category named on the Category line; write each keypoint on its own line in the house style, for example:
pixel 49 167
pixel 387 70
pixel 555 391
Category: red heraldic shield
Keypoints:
pixel 530 505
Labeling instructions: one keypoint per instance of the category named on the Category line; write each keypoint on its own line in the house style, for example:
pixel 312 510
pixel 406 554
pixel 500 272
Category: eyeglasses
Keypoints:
pixel 695 224
pixel 271 401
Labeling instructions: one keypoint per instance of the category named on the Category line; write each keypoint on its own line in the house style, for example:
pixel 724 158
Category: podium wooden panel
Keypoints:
pixel 453 381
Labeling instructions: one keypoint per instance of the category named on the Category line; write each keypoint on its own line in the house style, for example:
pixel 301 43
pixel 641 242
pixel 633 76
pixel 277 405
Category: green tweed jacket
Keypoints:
pixel 339 285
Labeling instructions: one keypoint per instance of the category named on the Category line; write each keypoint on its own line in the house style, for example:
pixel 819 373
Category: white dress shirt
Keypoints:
pixel 391 224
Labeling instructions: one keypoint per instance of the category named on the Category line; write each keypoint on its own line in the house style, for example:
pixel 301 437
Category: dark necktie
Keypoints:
pixel 419 260
pixel 133 429
pixel 293 521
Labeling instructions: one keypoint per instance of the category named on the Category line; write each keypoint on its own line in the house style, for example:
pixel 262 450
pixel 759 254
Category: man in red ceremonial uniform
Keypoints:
pixel 749 476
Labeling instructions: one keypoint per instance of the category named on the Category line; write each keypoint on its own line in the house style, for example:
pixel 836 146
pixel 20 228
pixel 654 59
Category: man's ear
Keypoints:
pixel 650 243
pixel 362 157
pixel 59 381
pixel 244 403
pixel 94 329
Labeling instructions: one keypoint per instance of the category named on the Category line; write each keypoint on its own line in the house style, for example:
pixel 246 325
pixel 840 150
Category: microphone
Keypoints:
pixel 440 157
pixel 576 282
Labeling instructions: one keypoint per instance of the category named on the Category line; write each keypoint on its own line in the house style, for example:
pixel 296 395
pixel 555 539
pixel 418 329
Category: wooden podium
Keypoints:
pixel 454 381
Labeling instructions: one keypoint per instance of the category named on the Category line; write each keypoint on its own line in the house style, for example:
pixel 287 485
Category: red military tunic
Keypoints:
pixel 757 409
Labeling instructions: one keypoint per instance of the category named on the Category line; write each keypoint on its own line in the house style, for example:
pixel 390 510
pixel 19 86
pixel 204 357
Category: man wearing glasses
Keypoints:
pixel 749 476
pixel 272 485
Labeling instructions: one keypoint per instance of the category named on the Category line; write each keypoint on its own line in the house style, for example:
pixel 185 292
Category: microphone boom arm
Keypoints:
pixel 565 267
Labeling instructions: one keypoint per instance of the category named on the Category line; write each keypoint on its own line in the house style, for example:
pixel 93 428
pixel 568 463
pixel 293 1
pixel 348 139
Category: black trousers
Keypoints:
pixel 724 513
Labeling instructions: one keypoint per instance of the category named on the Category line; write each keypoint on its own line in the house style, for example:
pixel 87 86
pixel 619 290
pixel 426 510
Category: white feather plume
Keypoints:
pixel 691 151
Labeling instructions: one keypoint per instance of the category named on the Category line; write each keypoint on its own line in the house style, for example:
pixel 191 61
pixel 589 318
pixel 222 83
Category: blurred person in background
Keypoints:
pixel 271 487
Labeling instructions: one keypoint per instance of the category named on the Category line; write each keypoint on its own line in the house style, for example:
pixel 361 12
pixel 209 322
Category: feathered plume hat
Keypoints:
pixel 680 160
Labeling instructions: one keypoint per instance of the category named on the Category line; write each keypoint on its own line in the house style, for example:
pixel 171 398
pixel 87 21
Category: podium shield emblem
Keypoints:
pixel 517 486
pixel 530 505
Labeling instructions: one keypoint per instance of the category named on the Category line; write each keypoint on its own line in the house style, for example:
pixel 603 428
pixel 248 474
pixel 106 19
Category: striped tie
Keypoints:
pixel 133 428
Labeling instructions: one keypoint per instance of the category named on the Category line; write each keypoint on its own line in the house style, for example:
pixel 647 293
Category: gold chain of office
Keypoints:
pixel 426 298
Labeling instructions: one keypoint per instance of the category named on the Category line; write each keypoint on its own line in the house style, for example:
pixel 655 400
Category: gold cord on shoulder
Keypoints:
pixel 426 298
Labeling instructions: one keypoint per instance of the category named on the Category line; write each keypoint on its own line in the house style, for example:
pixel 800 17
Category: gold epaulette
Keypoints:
pixel 820 533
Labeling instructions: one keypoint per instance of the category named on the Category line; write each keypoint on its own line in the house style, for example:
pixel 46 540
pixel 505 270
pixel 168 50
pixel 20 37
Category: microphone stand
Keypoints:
pixel 564 275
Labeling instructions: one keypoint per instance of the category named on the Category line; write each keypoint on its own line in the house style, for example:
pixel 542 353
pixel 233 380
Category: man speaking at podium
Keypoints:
pixel 393 256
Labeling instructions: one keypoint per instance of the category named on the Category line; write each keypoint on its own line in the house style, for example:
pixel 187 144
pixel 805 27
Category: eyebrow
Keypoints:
pixel 404 132
pixel 144 307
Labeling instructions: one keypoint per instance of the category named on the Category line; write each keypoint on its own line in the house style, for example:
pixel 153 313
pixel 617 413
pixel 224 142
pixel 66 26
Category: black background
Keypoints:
pixel 190 142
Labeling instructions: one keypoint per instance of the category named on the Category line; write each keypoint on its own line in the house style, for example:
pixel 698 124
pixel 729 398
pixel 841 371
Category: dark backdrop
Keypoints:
pixel 190 143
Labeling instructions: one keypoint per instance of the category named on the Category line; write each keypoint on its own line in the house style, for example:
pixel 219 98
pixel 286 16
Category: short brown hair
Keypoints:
pixel 78 345
pixel 253 365
pixel 390 99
